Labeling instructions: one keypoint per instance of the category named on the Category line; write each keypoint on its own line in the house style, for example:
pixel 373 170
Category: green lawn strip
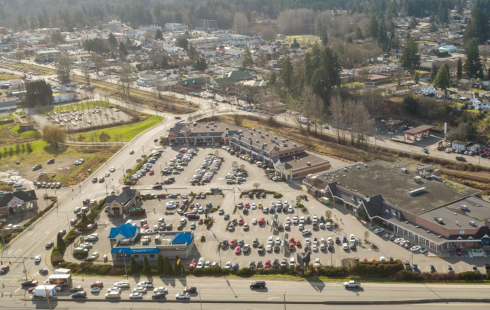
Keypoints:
pixel 8 76
pixel 126 132
pixel 41 152
pixel 28 135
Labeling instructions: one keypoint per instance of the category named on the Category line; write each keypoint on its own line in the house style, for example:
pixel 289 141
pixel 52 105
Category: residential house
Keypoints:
pixel 426 90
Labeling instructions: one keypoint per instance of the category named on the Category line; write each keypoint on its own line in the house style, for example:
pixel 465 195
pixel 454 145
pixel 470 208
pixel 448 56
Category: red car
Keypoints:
pixel 459 252
pixel 238 250
pixel 145 226
pixel 291 248
pixel 31 289
pixel 240 222
pixel 291 239
pixel 298 243
pixel 247 205
pixel 232 242
pixel 97 284
pixel 161 196
pixel 267 263
pixel 152 172
pixel 192 266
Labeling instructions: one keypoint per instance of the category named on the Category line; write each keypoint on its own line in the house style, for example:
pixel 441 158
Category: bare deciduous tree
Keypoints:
pixel 337 111
pixel 240 22
pixel 328 214
pixel 256 185
pixel 63 67
pixel 366 235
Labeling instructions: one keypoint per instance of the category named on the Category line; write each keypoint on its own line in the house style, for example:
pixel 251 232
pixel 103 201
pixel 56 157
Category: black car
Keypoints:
pixel 190 290
pixel 158 296
pixel 29 283
pixel 4 269
pixel 43 271
pixel 156 140
pixel 157 186
pixel 80 294
pixel 86 201
pixel 460 158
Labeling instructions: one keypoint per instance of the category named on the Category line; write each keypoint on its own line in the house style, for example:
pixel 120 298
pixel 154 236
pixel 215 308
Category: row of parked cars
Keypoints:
pixel 209 167
pixel 147 167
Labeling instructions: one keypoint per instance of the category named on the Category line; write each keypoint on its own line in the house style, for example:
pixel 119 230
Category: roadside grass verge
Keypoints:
pixel 8 76
pixel 125 132
pixel 26 135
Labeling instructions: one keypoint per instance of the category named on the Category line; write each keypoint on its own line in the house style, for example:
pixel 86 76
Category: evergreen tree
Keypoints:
pixel 443 80
pixel 167 266
pixel 472 64
pixel 433 72
pixel 134 265
pixel 443 12
pixel 459 73
pixel 295 43
pixel 159 35
pixel 146 265
pixel 60 243
pixel 416 77
pixel 112 41
pixel 287 72
pixel 413 23
pixel 325 38
pixel 247 59
pixel 410 104
pixel 410 58
pixel 192 53
pixel 382 34
pixel 160 264
pixel 373 26
pixel 359 34
pixel 433 26
pixel 273 78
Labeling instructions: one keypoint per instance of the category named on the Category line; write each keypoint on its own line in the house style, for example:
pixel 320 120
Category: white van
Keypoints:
pixel 328 226
pixel 157 239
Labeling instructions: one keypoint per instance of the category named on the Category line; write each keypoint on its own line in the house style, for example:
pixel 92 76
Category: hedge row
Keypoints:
pixel 409 276
pixel 378 268
pixel 87 268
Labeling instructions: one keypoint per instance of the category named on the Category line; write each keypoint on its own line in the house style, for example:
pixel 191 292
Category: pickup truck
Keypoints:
pixel 352 284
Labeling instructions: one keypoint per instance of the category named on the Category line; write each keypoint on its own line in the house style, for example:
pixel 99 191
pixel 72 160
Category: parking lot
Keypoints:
pixel 248 218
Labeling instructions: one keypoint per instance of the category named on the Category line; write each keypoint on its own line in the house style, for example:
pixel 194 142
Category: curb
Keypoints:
pixel 333 302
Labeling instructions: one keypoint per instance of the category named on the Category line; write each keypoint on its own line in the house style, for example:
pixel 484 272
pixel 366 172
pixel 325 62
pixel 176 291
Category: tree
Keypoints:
pixel 433 26
pixel 112 42
pixel 159 35
pixel 443 80
pixel 104 137
pixel 240 22
pixel 413 23
pixel 373 26
pixel 126 79
pixel 123 52
pixel 160 264
pixel 410 58
pixel 295 43
pixel 410 104
pixel 57 38
pixel 177 265
pixel 328 214
pixel 192 53
pixel 256 185
pixel 146 265
pixel 359 34
pixel 167 266
pixel 269 34
pixel 433 71
pixel 247 59
pixel 382 34
pixel 366 235
pixel 459 73
pixel 38 93
pixel 287 72
pixel 336 110
pixel 134 265
pixel 472 64
pixel 19 55
pixel 80 137
pixel 324 38
pixel 201 64
pixel 99 61
pixel 182 42
pixel 443 12
pixel 63 67
pixel 416 77
pixel 60 243
pixel 54 136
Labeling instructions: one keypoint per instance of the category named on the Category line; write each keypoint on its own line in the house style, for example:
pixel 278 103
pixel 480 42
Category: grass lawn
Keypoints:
pixel 33 68
pixel 8 76
pixel 126 132
pixel 41 152
pixel 31 134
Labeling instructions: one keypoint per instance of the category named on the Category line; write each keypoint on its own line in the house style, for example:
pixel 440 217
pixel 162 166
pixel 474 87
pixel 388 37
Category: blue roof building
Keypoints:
pixel 183 238
pixel 124 231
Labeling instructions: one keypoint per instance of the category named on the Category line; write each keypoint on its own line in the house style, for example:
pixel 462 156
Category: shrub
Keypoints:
pixel 277 195
pixel 245 272
pixel 332 271
pixel 56 257
pixel 470 276
pixel 80 255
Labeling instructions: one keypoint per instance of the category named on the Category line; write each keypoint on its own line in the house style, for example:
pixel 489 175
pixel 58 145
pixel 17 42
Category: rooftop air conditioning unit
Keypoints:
pixel 308 163
pixel 294 144
pixel 256 141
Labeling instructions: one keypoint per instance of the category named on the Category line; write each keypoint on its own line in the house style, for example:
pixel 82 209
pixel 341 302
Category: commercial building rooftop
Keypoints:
pixel 394 185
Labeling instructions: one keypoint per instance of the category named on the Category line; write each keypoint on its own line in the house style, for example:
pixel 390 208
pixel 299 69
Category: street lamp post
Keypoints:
pixel 125 268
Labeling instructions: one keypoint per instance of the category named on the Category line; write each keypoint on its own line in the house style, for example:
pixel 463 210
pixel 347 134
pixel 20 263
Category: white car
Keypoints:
pixel 160 289
pixel 307 242
pixel 295 220
pixel 378 230
pixel 382 259
pixel 254 221
pixel 317 263
pixel 113 169
pixel 314 248
pixel 207 264
pixel 228 265
pixel 136 295
pixel 270 240
pixel 37 259
pixel 182 296
pixel 423 250
pixel 139 289
pixel 114 289
pixel 269 248
pixel 415 248
pixel 200 265
pixel 95 255
pixel 93 290
pixel 278 241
